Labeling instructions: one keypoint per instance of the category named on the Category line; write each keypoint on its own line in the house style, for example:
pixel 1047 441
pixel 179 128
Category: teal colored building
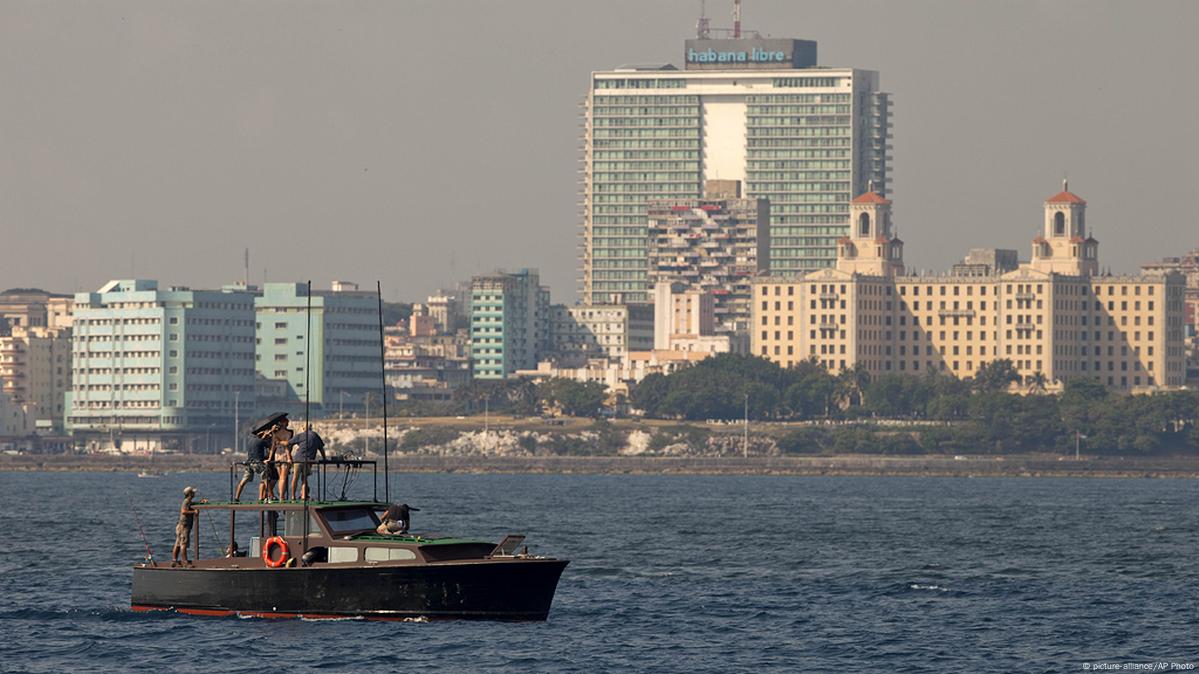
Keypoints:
pixel 167 368
pixel 509 323
pixel 345 357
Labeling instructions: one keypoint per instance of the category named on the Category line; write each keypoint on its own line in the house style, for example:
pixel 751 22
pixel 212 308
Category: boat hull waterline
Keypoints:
pixel 517 589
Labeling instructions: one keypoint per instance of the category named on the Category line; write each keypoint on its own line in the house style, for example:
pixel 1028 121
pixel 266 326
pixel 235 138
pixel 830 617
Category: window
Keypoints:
pixel 388 554
pixel 344 521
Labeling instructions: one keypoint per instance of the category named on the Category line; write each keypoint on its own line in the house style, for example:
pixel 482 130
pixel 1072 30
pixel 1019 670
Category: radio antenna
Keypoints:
pixel 702 28
pixel 736 19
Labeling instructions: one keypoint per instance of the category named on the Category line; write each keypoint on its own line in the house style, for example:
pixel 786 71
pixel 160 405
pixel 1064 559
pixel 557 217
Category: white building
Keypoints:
pixel 607 331
pixel 759 111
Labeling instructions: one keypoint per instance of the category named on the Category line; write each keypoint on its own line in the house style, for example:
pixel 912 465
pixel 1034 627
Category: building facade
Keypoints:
pixel 345 352
pixel 607 331
pixel 716 244
pixel 35 372
pixel 168 367
pixel 509 323
pixel 1055 318
pixel 805 138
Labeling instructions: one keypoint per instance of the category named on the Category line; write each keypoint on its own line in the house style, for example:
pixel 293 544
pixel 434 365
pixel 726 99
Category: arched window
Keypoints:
pixel 1059 224
pixel 864 224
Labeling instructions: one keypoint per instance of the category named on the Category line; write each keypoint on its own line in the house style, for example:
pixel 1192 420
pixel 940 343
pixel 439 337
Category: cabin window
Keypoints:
pixel 344 521
pixel 293 524
pixel 388 554
pixel 337 555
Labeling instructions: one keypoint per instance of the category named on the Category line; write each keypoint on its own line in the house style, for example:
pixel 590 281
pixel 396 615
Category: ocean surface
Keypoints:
pixel 668 573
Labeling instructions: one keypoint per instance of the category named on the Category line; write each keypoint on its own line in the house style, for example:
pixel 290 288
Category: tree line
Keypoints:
pixel 979 414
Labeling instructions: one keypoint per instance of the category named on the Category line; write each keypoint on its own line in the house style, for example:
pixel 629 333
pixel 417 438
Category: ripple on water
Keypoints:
pixel 804 574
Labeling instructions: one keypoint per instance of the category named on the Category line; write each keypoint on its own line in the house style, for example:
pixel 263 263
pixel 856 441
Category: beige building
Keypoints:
pixel 1054 317
pixel 35 371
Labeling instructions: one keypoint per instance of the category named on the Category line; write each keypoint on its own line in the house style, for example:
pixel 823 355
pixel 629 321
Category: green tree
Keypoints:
pixel 995 375
pixel 576 399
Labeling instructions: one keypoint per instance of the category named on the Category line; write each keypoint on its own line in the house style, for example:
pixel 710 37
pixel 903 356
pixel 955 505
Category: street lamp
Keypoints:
pixel 745 437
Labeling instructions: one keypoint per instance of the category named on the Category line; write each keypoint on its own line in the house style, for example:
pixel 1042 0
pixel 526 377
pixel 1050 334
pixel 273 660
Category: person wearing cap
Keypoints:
pixel 305 446
pixel 396 520
pixel 183 529
pixel 257 446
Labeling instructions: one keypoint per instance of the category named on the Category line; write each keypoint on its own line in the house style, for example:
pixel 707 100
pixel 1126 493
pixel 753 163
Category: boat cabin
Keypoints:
pixel 323 533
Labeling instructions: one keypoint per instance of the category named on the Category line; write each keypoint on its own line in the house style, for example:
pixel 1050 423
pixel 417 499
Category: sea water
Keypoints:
pixel 668 573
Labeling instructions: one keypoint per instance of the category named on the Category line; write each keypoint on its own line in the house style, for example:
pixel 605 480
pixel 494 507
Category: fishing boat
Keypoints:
pixel 325 559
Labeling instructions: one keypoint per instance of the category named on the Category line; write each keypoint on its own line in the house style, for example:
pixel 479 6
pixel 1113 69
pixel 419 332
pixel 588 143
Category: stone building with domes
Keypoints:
pixel 1055 317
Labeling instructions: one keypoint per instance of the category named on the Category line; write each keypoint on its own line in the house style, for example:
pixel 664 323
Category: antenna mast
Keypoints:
pixel 383 379
pixel 736 19
pixel 703 29
pixel 308 366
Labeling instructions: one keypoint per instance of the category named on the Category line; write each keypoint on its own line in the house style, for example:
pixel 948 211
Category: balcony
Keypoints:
pixel 956 312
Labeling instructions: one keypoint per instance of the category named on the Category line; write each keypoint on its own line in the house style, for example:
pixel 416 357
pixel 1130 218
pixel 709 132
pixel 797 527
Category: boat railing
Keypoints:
pixel 344 465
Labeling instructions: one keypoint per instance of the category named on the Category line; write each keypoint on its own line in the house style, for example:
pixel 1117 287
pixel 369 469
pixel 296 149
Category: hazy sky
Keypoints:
pixel 421 142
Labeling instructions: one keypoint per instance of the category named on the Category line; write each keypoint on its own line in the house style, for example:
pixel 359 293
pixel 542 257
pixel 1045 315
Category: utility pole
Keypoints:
pixel 486 415
pixel 745 437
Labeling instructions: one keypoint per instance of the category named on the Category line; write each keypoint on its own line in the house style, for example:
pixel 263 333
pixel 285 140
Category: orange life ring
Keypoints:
pixel 284 552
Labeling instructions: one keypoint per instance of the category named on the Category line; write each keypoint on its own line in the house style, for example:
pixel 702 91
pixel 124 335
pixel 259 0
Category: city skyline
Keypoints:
pixel 330 142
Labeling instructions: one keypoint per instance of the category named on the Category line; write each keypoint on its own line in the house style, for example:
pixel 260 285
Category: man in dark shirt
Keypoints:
pixel 257 447
pixel 396 520
pixel 305 447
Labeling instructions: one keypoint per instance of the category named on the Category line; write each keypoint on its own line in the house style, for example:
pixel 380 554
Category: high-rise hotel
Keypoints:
pixel 758 111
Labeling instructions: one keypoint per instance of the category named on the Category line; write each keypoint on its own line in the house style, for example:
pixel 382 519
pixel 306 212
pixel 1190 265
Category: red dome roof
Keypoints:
pixel 1065 198
pixel 871 198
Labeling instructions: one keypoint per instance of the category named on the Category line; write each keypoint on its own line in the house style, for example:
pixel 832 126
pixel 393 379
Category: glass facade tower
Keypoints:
pixel 806 138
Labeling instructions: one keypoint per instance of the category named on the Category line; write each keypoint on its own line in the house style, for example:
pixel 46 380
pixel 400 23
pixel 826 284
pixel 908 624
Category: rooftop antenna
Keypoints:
pixel 736 19
pixel 247 267
pixel 703 29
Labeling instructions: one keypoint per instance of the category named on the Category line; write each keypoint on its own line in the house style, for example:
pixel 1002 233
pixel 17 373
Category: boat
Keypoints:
pixel 323 559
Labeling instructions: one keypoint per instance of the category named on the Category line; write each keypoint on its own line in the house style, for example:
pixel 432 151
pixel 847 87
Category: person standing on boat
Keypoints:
pixel 183 529
pixel 305 447
pixel 280 454
pixel 257 447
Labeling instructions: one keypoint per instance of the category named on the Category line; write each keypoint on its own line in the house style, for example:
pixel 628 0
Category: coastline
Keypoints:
pixel 1035 465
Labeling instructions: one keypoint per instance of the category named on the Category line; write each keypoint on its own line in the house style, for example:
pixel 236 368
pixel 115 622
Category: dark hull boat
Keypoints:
pixel 493 589
pixel 324 559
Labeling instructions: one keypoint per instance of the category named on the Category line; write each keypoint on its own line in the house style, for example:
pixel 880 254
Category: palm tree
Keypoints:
pixel 1037 382
pixel 851 386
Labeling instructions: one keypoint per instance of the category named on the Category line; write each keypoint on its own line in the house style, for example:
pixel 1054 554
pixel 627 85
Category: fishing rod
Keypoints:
pixel 142 530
